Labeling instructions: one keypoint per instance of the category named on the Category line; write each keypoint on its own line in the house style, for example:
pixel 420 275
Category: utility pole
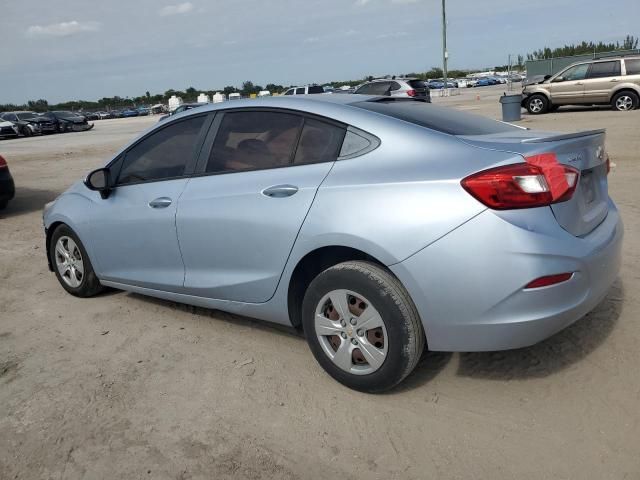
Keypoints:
pixel 445 54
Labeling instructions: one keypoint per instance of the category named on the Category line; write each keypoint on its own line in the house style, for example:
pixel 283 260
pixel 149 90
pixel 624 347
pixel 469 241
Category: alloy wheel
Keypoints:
pixel 624 103
pixel 536 105
pixel 69 261
pixel 351 332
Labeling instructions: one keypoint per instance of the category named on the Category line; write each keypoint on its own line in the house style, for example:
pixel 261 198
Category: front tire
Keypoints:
pixel 362 326
pixel 537 104
pixel 625 101
pixel 71 264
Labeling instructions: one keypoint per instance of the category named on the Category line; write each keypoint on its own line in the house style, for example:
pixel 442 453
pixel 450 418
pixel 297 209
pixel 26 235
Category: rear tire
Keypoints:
pixel 537 104
pixel 71 264
pixel 625 101
pixel 379 340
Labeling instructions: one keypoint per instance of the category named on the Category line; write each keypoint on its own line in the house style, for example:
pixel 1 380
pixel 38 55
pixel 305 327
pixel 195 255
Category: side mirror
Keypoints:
pixel 547 77
pixel 99 180
pixel 558 79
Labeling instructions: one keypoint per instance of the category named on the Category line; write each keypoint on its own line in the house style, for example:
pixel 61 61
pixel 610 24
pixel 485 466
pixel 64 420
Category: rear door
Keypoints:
pixel 601 79
pixel 568 87
pixel 239 217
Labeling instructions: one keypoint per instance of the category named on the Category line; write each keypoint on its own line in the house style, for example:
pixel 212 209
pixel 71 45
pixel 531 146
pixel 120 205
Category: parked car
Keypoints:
pixel 8 129
pixel 306 90
pixel 182 108
pixel 7 187
pixel 64 121
pixel 614 81
pixel 143 111
pixel 398 87
pixel 105 115
pixel 483 82
pixel 472 82
pixel 28 123
pixel 130 112
pixel 91 116
pixel 296 211
pixel 264 93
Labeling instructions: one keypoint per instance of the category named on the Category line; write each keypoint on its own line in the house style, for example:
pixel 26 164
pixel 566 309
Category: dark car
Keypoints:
pixel 68 121
pixel 130 113
pixel 91 116
pixel 182 108
pixel 7 187
pixel 29 123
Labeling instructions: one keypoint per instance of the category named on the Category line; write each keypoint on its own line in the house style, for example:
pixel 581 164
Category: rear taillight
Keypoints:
pixel 522 185
pixel 3 162
pixel 549 280
pixel 608 164
pixel 411 93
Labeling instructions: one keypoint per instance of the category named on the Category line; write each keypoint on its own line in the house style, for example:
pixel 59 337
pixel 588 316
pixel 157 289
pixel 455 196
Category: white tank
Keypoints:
pixel 218 98
pixel 203 98
pixel 174 102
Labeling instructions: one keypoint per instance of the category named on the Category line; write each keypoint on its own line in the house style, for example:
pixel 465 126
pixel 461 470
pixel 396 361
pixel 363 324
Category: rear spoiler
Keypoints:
pixel 564 136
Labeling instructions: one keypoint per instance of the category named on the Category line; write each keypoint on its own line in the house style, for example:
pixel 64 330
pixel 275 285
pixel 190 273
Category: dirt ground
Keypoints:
pixel 123 386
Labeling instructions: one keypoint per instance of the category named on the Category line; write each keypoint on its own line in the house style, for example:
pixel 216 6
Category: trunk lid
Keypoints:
pixel 584 151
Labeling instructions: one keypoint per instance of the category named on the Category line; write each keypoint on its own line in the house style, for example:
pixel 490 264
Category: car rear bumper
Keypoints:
pixel 469 285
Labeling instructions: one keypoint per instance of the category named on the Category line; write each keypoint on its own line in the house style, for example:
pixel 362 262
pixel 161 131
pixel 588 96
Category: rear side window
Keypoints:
pixel 604 69
pixel 441 119
pixel 163 154
pixel 316 89
pixel 632 66
pixel 254 140
pixel 374 88
pixel 319 142
pixel 300 91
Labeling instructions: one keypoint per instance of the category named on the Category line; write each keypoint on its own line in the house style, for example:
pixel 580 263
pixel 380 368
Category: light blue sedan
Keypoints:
pixel 377 225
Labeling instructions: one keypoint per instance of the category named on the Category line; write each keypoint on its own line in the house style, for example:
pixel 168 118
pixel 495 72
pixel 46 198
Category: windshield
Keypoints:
pixel 441 119
pixel 65 114
pixel 26 115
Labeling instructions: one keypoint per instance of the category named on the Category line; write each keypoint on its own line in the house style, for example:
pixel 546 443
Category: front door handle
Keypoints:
pixel 613 80
pixel 160 202
pixel 279 191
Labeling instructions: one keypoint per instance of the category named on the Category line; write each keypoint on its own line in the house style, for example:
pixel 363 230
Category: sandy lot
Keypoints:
pixel 122 386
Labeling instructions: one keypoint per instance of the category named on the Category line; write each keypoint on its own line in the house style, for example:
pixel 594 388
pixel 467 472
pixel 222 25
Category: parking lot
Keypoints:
pixel 125 386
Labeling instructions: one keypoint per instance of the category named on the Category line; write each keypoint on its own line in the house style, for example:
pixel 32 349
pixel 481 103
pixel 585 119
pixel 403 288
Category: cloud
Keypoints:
pixel 62 29
pixel 177 9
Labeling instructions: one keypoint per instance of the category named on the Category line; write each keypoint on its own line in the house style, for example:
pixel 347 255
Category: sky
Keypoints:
pixel 78 49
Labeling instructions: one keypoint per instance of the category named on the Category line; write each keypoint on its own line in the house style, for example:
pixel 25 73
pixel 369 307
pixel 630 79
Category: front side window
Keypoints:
pixel 319 142
pixel 579 72
pixel 254 140
pixel 632 66
pixel 604 69
pixel 163 154
pixel 289 92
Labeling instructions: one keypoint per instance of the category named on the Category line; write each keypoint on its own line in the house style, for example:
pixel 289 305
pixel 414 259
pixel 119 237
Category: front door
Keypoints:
pixel 133 231
pixel 238 221
pixel 568 87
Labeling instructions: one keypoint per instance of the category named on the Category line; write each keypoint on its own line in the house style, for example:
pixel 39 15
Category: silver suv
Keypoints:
pixel 614 81
pixel 306 90
pixel 397 87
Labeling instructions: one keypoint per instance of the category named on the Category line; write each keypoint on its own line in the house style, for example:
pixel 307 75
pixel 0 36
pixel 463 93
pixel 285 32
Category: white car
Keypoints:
pixel 8 129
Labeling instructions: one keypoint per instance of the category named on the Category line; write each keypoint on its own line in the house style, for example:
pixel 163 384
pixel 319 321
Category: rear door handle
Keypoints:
pixel 280 191
pixel 160 202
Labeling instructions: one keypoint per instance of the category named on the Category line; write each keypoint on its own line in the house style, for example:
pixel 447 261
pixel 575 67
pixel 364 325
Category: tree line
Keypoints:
pixel 190 94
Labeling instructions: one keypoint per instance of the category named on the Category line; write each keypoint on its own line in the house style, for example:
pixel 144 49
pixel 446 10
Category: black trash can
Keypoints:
pixel 511 108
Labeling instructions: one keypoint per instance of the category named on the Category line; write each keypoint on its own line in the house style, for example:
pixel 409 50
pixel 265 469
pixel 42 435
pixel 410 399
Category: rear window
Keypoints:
pixel 633 66
pixel 418 84
pixel 441 119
